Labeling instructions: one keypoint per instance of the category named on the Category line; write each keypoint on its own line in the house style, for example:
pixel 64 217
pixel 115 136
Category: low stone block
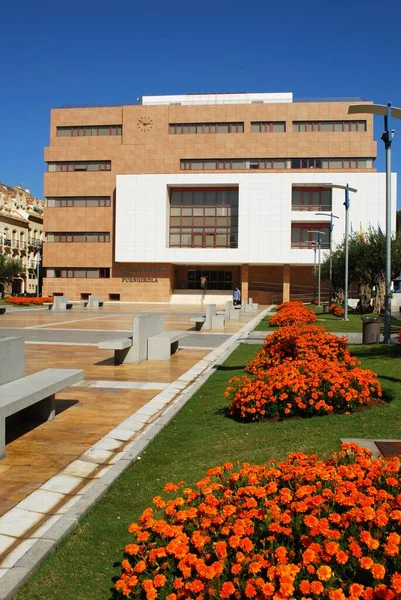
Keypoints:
pixel 218 322
pixel 12 359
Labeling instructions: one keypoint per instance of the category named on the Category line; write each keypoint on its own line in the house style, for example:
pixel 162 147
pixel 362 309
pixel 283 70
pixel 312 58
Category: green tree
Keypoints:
pixel 9 268
pixel 366 267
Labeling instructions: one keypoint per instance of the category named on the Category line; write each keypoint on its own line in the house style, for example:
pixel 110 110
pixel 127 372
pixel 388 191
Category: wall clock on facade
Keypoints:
pixel 145 123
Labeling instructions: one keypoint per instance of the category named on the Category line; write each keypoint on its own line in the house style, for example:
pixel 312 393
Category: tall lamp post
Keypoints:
pixel 347 190
pixel 330 250
pixel 318 242
pixel 314 270
pixel 387 111
pixel 38 256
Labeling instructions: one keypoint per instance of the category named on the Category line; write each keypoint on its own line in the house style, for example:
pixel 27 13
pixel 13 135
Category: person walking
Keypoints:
pixel 203 282
pixel 236 297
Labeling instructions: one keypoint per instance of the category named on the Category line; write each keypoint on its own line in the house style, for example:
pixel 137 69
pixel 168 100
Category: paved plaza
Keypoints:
pixel 49 467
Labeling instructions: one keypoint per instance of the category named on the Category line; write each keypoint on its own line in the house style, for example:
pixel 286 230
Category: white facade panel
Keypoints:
pixel 265 215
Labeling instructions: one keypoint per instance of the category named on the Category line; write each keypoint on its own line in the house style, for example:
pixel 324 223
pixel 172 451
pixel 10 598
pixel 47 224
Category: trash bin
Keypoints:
pixel 370 330
pixel 325 309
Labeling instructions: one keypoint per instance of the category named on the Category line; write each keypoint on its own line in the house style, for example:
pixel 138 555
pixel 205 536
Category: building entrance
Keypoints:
pixel 215 280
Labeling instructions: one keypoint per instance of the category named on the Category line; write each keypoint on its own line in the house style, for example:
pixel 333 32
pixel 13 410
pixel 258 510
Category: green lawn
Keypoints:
pixel 201 436
pixel 334 324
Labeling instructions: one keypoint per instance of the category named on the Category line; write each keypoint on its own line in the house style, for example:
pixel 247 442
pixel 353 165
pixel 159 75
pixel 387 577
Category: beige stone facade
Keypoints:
pixel 147 146
pixel 21 234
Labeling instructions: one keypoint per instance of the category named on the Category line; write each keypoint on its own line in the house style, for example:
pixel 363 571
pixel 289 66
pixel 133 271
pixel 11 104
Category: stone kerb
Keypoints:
pixel 12 359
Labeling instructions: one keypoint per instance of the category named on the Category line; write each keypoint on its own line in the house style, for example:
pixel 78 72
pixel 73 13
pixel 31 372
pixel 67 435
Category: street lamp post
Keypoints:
pixel 37 253
pixel 314 270
pixel 330 250
pixel 387 111
pixel 347 190
pixel 318 243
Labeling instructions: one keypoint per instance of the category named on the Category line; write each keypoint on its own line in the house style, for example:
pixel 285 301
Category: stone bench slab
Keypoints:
pixel 115 344
pixel 36 393
pixel 162 345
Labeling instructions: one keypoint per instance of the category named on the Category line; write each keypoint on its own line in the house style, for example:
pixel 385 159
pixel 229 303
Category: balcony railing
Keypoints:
pixel 310 245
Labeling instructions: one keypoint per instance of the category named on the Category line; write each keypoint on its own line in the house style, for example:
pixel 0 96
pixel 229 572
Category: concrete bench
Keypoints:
pixel 34 394
pixel 162 345
pixel 94 302
pixel 199 321
pixel 121 346
pixel 2 311
pixel 134 349
pixel 211 320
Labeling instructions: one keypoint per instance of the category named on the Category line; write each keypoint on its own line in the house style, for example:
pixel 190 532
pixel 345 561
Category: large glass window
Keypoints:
pixel 89 130
pixel 78 201
pixel 99 165
pixel 82 237
pixel 313 198
pixel 338 126
pixel 204 218
pixel 268 126
pixel 182 128
pixel 304 235
pixel 80 273
pixel 215 280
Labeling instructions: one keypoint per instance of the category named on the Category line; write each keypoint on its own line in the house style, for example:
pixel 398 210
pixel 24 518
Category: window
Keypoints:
pixel 182 128
pixel 332 163
pixel 114 297
pixel 204 218
pixel 102 165
pixel 303 235
pixel 325 126
pixel 79 237
pixel 233 164
pixel 78 201
pixel 268 127
pixel 313 198
pixel 89 130
pixel 103 273
pixel 216 280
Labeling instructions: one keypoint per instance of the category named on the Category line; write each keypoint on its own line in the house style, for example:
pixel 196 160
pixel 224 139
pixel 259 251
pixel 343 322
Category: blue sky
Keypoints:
pixel 98 52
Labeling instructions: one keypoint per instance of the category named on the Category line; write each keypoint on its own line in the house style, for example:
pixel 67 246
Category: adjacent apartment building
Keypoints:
pixel 144 199
pixel 21 235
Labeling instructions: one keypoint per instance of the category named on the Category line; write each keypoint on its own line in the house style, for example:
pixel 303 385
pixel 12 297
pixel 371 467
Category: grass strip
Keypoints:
pixel 335 324
pixel 201 436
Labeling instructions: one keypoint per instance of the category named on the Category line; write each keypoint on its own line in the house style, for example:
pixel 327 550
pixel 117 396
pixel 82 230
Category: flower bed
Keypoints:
pixel 302 389
pixel 26 300
pixel 336 310
pixel 290 313
pixel 303 528
pixel 296 342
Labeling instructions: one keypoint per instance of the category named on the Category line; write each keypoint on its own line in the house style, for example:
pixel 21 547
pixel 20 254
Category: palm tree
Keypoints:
pixel 9 268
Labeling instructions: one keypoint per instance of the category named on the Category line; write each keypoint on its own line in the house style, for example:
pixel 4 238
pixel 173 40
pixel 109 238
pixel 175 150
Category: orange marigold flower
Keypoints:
pixel 396 583
pixel 140 566
pixel 250 591
pixel 366 562
pixel 378 571
pixel 304 587
pixel 324 573
pixel 342 557
pixel 159 581
pixel 337 595
pixel 227 589
pixel 356 589
pixel 316 587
